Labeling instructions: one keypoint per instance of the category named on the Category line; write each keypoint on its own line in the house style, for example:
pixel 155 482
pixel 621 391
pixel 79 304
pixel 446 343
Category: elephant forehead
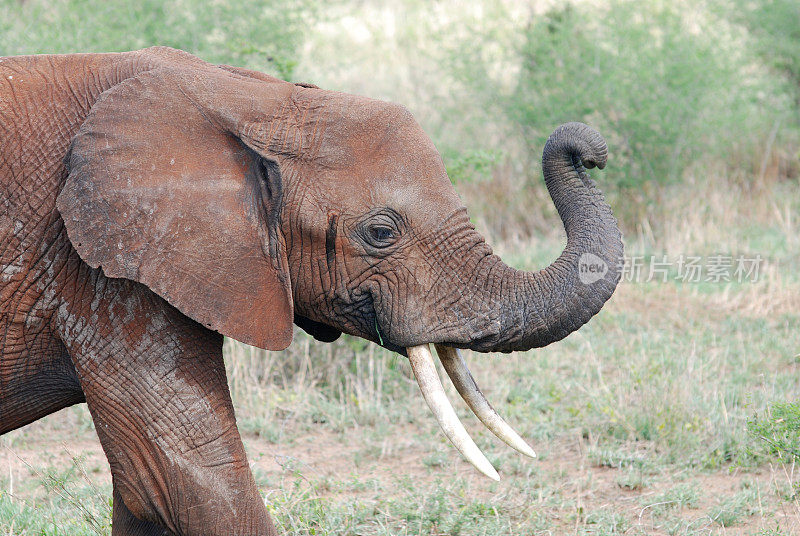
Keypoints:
pixel 427 195
pixel 422 203
pixel 356 128
pixel 421 193
pixel 375 154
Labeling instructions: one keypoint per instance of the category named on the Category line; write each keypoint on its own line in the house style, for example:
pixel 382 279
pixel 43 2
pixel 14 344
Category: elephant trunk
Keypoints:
pixel 521 310
pixel 537 308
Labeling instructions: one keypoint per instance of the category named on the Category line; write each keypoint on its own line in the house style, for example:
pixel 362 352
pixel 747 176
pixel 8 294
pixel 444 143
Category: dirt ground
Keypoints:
pixel 54 444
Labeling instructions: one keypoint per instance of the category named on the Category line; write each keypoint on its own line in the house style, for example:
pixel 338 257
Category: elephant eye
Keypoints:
pixel 381 229
pixel 380 236
pixel 381 233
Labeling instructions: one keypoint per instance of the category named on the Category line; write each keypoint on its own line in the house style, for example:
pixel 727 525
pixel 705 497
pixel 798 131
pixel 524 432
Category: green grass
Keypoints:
pixel 678 497
pixel 732 509
pixel 66 501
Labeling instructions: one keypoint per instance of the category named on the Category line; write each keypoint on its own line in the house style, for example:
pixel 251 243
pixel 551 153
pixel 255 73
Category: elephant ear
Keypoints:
pixel 160 194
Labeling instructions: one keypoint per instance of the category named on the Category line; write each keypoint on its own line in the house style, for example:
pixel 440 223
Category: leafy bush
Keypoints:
pixel 779 429
pixel 776 26
pixel 667 89
pixel 253 33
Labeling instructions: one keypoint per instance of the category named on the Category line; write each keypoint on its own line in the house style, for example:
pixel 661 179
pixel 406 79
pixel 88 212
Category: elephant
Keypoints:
pixel 153 203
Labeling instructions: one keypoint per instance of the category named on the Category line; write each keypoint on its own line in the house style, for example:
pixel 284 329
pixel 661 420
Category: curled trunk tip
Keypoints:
pixel 579 141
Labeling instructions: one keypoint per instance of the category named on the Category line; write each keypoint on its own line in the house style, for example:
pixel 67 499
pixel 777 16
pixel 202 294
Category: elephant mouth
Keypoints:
pixel 432 390
pixel 424 369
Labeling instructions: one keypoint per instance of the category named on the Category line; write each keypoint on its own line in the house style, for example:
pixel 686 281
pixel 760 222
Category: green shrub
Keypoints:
pixel 252 33
pixel 779 429
pixel 670 90
pixel 776 26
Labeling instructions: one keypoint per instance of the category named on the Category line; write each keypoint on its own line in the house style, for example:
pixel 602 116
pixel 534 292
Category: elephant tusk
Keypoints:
pixel 428 379
pixel 465 384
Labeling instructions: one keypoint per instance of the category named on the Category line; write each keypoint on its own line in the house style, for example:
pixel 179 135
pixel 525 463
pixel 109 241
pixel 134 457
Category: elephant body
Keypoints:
pixel 62 321
pixel 39 267
pixel 150 203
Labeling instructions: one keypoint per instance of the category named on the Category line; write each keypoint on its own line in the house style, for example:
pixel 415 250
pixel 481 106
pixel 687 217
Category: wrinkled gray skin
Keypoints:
pixel 151 203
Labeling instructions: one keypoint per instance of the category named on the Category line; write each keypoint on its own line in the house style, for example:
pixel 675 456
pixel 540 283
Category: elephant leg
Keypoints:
pixel 124 523
pixel 155 384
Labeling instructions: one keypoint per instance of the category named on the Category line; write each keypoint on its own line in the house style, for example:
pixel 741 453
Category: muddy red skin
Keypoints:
pixel 151 202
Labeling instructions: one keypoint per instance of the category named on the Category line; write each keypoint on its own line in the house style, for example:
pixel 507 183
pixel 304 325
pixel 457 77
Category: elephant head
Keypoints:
pixel 248 203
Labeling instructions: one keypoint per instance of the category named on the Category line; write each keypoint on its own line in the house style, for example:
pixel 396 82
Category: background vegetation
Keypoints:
pixel 672 412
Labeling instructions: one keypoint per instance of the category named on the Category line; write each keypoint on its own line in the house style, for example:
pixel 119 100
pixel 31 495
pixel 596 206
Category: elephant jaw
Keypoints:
pixel 433 392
